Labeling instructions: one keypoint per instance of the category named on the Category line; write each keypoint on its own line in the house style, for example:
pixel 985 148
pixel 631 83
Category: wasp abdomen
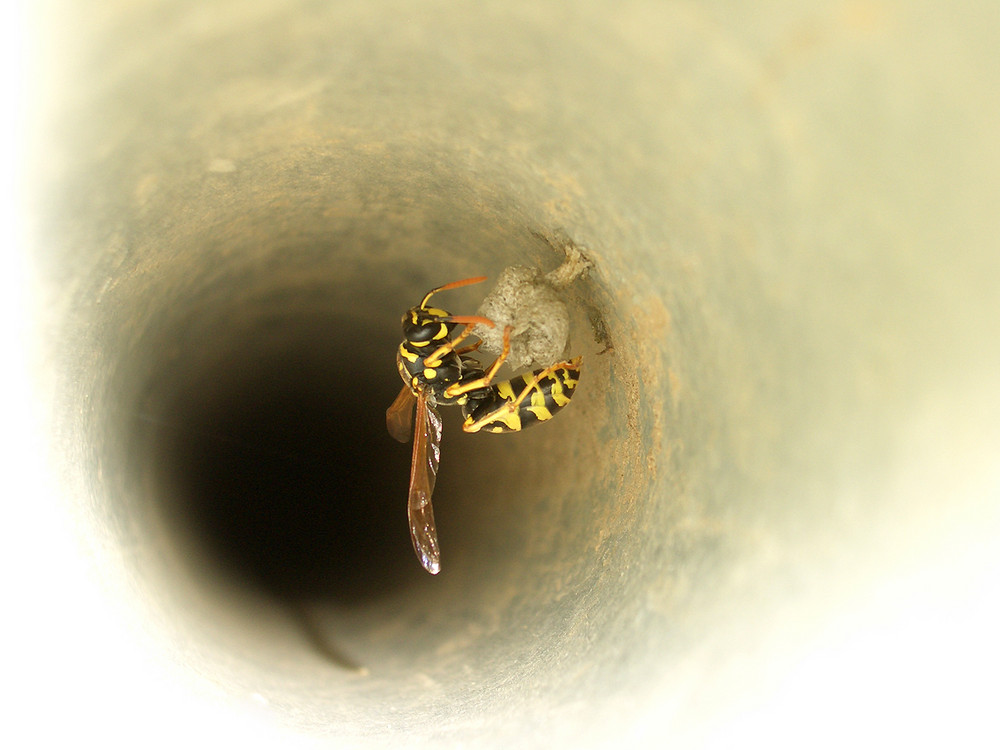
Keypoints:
pixel 523 400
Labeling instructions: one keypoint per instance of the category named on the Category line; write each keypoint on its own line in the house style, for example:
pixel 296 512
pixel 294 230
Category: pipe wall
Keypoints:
pixel 772 506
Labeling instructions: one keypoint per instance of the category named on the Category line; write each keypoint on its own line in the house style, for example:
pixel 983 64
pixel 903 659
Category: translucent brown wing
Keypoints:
pixel 423 472
pixel 399 416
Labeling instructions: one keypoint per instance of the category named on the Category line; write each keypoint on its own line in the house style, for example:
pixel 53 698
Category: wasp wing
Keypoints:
pixel 423 472
pixel 399 416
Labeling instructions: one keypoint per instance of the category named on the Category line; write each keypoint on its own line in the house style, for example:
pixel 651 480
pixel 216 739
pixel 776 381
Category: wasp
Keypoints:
pixel 436 372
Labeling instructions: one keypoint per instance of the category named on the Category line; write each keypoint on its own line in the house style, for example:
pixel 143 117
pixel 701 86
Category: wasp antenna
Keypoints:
pixel 469 320
pixel 452 285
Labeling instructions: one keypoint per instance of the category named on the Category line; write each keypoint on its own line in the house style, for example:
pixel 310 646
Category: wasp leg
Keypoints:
pixel 435 358
pixel 467 349
pixel 457 389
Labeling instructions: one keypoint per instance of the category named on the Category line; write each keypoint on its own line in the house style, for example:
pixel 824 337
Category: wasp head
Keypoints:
pixel 422 324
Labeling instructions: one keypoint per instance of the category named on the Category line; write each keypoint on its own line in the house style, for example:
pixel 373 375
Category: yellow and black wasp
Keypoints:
pixel 437 373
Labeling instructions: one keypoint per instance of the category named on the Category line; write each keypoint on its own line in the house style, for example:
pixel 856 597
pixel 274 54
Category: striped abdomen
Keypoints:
pixel 523 400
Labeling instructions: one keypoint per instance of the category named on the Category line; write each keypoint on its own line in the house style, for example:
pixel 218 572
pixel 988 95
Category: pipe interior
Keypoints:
pixel 238 419
pixel 236 202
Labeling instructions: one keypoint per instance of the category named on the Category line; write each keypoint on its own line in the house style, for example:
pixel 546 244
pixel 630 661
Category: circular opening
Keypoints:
pixel 267 452
pixel 247 366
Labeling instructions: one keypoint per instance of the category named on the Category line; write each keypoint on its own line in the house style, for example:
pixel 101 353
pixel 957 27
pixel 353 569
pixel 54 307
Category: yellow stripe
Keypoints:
pixel 505 391
pixel 492 422
pixel 540 412
pixel 570 382
pixel 558 397
pixel 511 419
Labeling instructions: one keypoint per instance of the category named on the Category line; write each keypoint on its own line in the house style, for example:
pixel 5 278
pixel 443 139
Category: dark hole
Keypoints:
pixel 275 459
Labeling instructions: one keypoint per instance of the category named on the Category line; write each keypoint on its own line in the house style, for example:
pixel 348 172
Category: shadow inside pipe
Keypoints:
pixel 272 457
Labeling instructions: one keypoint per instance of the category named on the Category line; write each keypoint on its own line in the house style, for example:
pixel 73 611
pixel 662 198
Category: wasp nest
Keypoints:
pixel 532 303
